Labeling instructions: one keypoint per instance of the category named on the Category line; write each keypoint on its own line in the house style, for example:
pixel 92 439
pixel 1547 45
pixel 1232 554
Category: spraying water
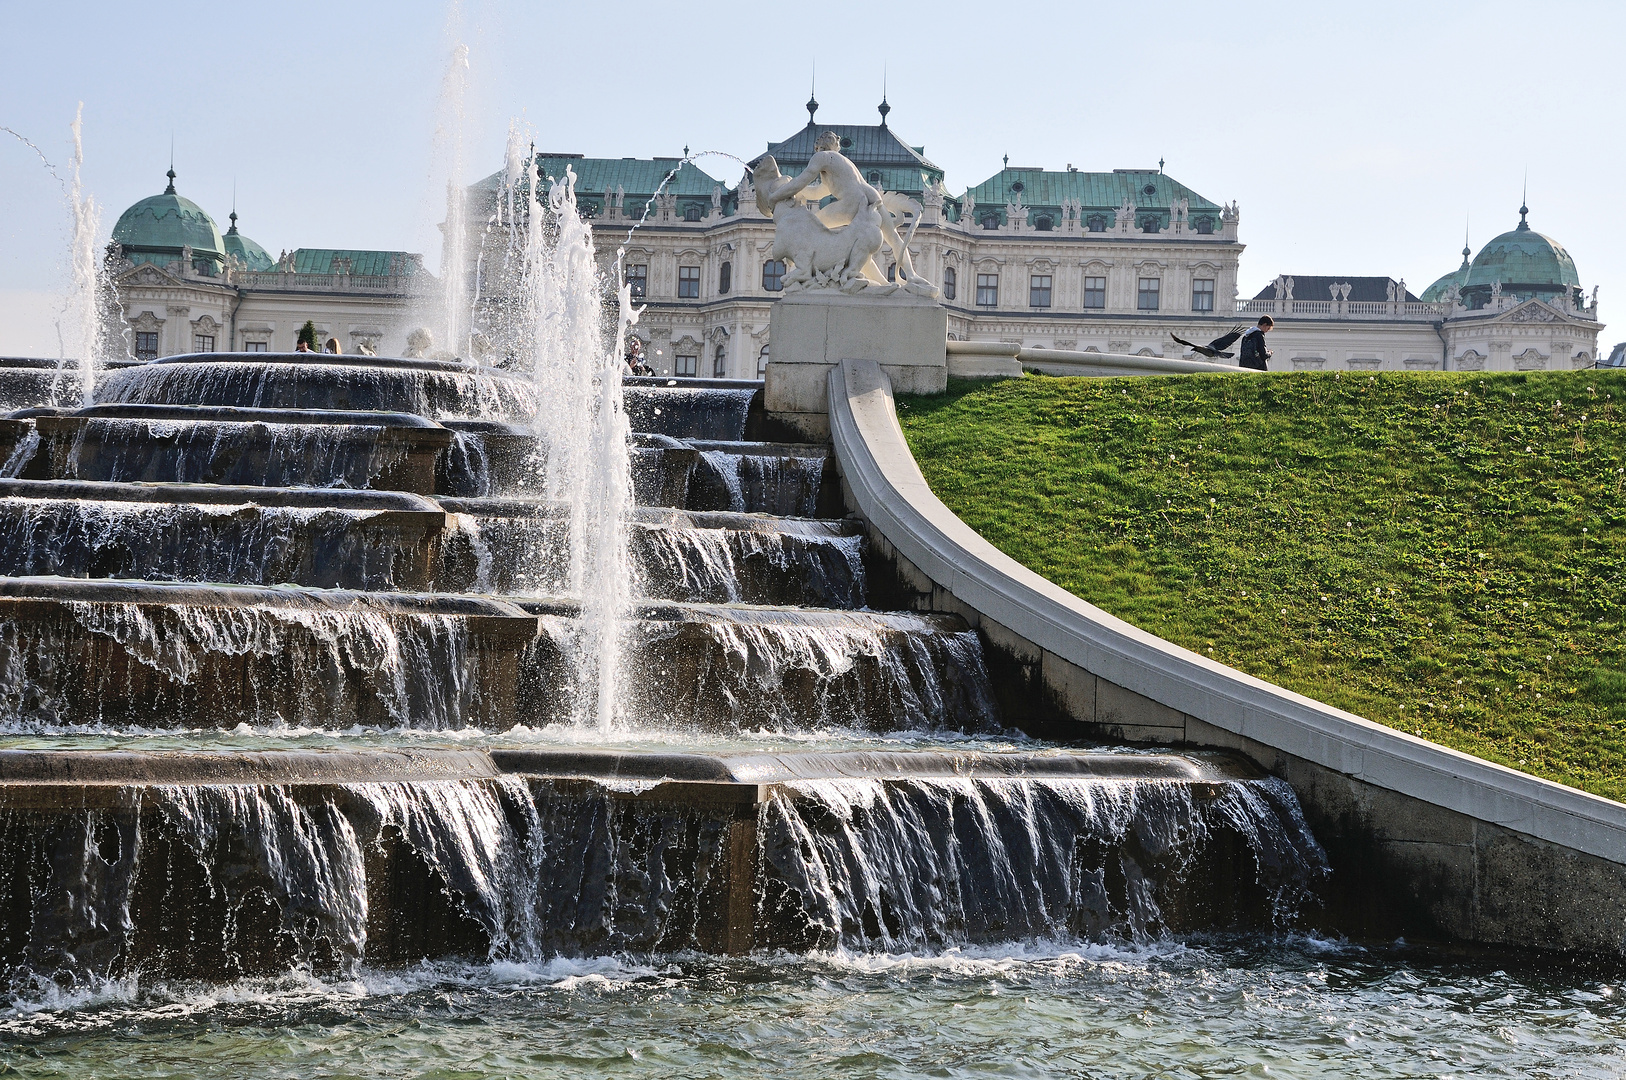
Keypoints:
pixel 454 299
pixel 84 303
pixel 575 361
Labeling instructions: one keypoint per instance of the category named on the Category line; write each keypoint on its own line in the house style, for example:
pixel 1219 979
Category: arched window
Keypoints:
pixel 718 362
pixel 773 275
pixel 691 212
pixel 949 281
pixel 1097 223
pixel 1045 223
pixel 725 278
pixel 762 362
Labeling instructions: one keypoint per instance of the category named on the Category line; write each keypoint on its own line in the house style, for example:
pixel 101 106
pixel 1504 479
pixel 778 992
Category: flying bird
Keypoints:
pixel 1216 347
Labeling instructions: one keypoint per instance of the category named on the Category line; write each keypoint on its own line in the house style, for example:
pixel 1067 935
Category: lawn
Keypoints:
pixel 1441 553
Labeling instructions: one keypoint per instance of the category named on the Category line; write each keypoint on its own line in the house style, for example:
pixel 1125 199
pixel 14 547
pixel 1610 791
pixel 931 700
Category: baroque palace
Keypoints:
pixel 1093 261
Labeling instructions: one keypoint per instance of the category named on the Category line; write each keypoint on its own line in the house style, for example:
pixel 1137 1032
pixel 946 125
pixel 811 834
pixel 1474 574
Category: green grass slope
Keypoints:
pixel 1441 553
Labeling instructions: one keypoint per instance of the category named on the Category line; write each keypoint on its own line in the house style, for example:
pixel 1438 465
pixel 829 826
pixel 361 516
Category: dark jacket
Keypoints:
pixel 1254 353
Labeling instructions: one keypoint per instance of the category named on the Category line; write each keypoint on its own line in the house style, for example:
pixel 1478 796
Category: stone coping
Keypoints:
pixel 132 768
pixel 659 516
pixel 741 448
pixel 685 382
pixel 1070 362
pixel 280 597
pixel 312 360
pixel 219 495
pixel 235 414
pixel 892 494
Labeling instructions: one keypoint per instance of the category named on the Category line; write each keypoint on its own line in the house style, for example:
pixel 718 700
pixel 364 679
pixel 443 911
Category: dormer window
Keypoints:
pixel 691 212
pixel 990 221
pixel 1044 223
pixel 1096 223
pixel 1205 226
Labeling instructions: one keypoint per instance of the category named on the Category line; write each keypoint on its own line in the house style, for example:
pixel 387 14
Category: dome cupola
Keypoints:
pixel 244 250
pixel 1524 263
pixel 155 230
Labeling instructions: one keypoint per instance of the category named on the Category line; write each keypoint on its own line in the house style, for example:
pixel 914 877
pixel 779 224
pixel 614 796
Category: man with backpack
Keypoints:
pixel 1254 354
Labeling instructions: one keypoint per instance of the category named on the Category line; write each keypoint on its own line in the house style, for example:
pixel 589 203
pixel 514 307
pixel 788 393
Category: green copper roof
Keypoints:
pixel 163 224
pixel 246 251
pixel 1458 277
pixel 1523 259
pixel 598 178
pixel 1098 192
pixel 882 157
pixel 362 263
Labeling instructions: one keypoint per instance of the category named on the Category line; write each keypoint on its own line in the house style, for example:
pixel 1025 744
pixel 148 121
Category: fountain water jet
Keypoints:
pixel 576 364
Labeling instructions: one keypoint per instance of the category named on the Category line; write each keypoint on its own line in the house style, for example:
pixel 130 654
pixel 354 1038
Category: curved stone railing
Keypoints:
pixel 1199 699
pixel 983 358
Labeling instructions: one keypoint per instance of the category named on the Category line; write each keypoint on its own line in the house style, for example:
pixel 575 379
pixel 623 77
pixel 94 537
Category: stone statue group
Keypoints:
pixel 834 245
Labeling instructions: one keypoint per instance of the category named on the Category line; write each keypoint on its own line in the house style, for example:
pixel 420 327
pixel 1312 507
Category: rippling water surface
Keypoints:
pixel 1287 1007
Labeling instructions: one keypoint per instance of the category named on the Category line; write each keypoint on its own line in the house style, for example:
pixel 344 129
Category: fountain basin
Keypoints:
pixel 695 408
pixel 515 546
pixel 269 861
pixel 435 389
pixel 220 445
pixel 155 655
pixel 727 668
pixel 315 537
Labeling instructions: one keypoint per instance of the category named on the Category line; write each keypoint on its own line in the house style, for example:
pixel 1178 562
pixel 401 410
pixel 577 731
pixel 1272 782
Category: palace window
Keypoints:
pixel 725 278
pixel 1095 293
pixel 762 362
pixel 1151 223
pixel 949 281
pixel 1096 223
pixel 688 283
pixel 146 345
pixel 1039 290
pixel 685 365
pixel 638 278
pixel 1148 293
pixel 203 343
pixel 1044 223
pixel 691 212
pixel 255 346
pixel 773 275
pixel 718 362
pixel 892 272
pixel 1202 294
pixel 1205 226
pixel 990 221
pixel 987 290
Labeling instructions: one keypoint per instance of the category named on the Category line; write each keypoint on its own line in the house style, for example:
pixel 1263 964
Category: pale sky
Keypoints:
pixel 1357 138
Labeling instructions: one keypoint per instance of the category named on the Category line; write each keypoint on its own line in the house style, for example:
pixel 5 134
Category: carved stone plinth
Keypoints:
pixel 813 331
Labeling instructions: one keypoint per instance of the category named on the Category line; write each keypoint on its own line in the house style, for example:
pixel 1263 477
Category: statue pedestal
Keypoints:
pixel 811 332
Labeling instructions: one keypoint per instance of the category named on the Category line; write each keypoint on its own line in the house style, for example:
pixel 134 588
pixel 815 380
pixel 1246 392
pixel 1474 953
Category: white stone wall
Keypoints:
pixel 178 306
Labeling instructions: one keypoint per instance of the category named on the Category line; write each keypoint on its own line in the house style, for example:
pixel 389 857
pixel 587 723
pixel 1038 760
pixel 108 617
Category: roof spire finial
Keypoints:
pixel 171 174
pixel 1160 166
pixel 1524 201
pixel 233 215
pixel 1007 161
pixel 812 97
pixel 883 108
pixel 1466 250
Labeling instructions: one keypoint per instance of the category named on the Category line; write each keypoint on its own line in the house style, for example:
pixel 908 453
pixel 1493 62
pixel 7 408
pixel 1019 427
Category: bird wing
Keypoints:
pixel 1228 340
pixel 1192 345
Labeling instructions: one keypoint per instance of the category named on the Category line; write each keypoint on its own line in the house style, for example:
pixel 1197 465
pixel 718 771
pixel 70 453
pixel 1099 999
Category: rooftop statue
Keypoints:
pixel 834 246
